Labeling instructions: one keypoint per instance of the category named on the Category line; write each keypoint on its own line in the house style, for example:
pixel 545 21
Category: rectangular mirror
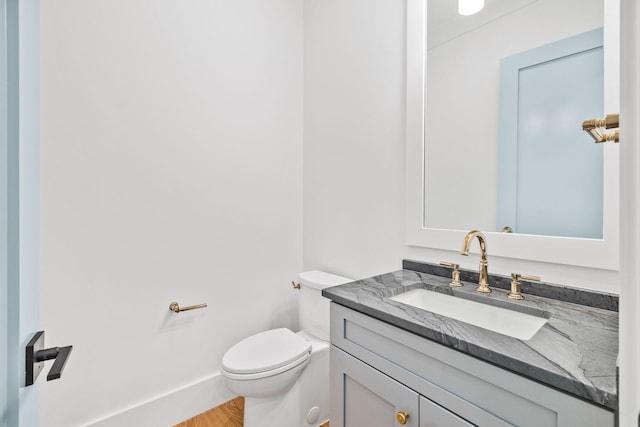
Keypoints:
pixel 495 103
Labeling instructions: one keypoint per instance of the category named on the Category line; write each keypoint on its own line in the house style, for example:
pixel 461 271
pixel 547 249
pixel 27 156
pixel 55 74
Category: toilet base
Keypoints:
pixel 306 404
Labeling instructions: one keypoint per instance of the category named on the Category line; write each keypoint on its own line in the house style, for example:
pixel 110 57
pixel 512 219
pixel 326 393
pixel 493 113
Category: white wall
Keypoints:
pixel 354 85
pixel 171 170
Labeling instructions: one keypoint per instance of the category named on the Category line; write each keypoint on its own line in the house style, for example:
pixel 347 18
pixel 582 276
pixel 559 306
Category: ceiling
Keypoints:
pixel 439 12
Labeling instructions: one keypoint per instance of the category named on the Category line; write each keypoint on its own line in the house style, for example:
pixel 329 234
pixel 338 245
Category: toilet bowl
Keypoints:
pixel 265 364
pixel 283 375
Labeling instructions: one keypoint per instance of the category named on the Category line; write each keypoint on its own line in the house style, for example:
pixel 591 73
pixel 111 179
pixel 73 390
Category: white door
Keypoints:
pixel 19 217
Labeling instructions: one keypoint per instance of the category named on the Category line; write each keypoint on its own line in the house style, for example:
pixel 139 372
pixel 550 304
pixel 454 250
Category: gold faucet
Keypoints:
pixel 483 285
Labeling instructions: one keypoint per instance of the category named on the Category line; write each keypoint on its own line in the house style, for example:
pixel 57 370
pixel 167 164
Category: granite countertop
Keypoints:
pixel 575 351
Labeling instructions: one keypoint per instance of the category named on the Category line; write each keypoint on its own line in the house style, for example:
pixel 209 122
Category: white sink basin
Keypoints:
pixel 507 322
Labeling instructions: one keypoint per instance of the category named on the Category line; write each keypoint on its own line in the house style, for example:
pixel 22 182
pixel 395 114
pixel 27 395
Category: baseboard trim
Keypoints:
pixel 173 407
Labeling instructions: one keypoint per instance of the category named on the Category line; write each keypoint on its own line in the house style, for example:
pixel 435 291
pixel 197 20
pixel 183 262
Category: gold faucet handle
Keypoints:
pixel 516 293
pixel 455 274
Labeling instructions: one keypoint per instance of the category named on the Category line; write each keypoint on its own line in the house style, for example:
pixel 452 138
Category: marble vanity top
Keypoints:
pixel 575 351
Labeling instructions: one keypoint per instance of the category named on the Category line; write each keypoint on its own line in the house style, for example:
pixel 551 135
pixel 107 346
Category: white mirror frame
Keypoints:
pixel 594 253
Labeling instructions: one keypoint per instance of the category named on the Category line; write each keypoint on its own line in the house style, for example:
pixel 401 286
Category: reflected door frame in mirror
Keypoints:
pixel 593 253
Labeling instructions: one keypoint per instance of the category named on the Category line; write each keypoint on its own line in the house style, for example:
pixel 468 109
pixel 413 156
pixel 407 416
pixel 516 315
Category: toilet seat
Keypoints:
pixel 256 376
pixel 265 354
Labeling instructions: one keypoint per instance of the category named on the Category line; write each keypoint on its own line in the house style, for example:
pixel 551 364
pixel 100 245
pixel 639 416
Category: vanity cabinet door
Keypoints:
pixel 434 415
pixel 363 396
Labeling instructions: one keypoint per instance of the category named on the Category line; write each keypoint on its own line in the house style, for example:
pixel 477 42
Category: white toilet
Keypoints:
pixel 284 376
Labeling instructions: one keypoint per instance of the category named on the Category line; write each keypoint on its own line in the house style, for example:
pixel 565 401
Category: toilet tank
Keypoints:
pixel 314 308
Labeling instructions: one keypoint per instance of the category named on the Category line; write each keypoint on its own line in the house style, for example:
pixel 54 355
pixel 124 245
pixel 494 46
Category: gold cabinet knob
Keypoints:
pixel 402 417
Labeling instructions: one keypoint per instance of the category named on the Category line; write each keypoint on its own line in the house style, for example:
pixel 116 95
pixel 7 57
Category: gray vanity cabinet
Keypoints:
pixel 378 370
pixel 367 397
pixel 434 415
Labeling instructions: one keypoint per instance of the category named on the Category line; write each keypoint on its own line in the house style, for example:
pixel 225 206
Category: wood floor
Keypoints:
pixel 229 414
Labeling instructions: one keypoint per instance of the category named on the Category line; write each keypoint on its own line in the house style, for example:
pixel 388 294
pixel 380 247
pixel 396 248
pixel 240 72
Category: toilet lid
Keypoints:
pixel 265 351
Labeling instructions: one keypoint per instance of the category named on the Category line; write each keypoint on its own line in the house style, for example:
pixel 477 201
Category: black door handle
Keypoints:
pixel 36 354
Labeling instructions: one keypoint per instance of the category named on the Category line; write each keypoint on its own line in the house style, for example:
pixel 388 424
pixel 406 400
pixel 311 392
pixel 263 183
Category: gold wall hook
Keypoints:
pixel 295 285
pixel 611 121
pixel 175 307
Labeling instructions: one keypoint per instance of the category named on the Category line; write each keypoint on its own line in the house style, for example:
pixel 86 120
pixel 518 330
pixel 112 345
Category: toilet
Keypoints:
pixel 284 375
